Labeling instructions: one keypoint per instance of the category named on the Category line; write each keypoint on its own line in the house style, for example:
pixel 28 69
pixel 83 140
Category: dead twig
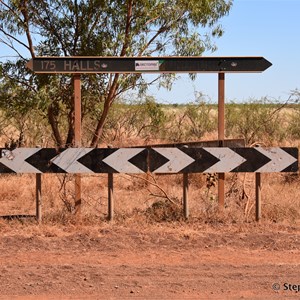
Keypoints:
pixel 155 184
pixel 64 193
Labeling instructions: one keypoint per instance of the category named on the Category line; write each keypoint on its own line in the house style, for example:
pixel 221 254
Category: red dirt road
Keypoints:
pixel 178 261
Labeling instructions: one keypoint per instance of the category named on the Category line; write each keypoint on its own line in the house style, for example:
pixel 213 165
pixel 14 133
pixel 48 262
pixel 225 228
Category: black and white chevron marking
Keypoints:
pixel 155 160
pixel 223 160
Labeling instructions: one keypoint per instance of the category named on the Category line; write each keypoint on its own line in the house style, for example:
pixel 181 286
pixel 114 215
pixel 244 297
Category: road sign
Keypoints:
pixel 169 64
pixel 156 160
pixel 223 160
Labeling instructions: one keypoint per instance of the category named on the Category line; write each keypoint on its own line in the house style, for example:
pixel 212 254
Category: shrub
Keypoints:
pixel 164 211
pixel 255 121
pixel 294 123
pixel 191 122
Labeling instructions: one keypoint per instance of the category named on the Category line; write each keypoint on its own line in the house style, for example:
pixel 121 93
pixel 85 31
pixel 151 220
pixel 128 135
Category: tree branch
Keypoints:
pixel 107 104
pixel 12 11
pixel 52 29
pixel 14 38
pixel 76 33
pixel 24 11
pixel 29 86
pixel 11 46
pixel 127 28
pixel 54 125
pixel 154 183
pixel 93 26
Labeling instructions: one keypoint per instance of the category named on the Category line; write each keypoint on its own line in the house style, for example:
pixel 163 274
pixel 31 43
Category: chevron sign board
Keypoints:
pixel 142 160
pixel 223 160
pixel 73 160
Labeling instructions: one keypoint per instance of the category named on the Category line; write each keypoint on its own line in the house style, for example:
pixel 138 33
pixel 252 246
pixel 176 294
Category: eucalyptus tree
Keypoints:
pixel 30 28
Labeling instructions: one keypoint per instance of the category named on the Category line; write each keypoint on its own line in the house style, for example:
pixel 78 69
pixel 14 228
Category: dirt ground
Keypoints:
pixel 157 261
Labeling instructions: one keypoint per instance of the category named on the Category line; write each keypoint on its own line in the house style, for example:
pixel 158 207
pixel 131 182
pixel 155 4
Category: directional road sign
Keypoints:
pixel 169 64
pixel 155 160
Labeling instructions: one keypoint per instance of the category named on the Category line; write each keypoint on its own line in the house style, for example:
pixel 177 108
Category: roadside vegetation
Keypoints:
pixel 159 198
pixel 141 121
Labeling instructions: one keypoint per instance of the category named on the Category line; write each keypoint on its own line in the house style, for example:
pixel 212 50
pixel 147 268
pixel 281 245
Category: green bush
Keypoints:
pixel 135 119
pixel 294 123
pixel 191 122
pixel 255 121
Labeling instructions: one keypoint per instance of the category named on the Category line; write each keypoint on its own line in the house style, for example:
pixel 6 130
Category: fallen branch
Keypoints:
pixel 154 183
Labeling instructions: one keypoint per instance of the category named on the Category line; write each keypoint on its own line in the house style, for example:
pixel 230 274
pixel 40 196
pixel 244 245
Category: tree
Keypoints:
pixel 98 28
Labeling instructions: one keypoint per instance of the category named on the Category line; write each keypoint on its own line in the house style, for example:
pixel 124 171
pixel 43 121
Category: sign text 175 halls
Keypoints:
pixel 73 65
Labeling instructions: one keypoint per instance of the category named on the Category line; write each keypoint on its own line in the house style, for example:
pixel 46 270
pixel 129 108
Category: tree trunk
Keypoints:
pixel 54 125
pixel 70 141
pixel 107 104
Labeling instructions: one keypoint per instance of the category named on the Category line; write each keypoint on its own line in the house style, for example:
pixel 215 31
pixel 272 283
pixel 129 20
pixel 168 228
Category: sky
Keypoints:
pixel 268 28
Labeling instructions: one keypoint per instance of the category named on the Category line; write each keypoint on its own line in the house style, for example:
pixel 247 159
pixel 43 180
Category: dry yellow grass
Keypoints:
pixel 135 195
pixel 134 198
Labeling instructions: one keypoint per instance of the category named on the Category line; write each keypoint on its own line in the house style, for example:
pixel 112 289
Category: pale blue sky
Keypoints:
pixel 268 28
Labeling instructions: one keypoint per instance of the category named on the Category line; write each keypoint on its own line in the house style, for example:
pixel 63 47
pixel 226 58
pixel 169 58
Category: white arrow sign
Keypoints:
pixel 15 160
pixel 119 160
pixel 280 159
pixel 178 160
pixel 67 160
pixel 229 160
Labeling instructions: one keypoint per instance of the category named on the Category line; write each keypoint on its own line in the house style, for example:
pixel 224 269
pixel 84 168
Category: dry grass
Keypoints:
pixel 151 199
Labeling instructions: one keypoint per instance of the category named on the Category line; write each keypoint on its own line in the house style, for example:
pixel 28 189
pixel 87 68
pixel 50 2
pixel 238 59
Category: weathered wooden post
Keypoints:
pixel 110 209
pixel 185 195
pixel 77 137
pixel 257 196
pixel 38 194
pixel 221 134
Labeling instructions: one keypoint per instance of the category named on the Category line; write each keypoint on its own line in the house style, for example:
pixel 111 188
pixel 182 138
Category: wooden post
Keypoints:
pixel 257 196
pixel 77 136
pixel 185 195
pixel 38 193
pixel 110 187
pixel 221 134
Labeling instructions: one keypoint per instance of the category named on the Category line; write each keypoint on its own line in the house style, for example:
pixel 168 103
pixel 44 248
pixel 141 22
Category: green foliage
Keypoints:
pixel 255 121
pixel 143 118
pixel 98 28
pixel 201 120
pixel 294 119
pixel 294 123
pixel 191 121
pixel 140 120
